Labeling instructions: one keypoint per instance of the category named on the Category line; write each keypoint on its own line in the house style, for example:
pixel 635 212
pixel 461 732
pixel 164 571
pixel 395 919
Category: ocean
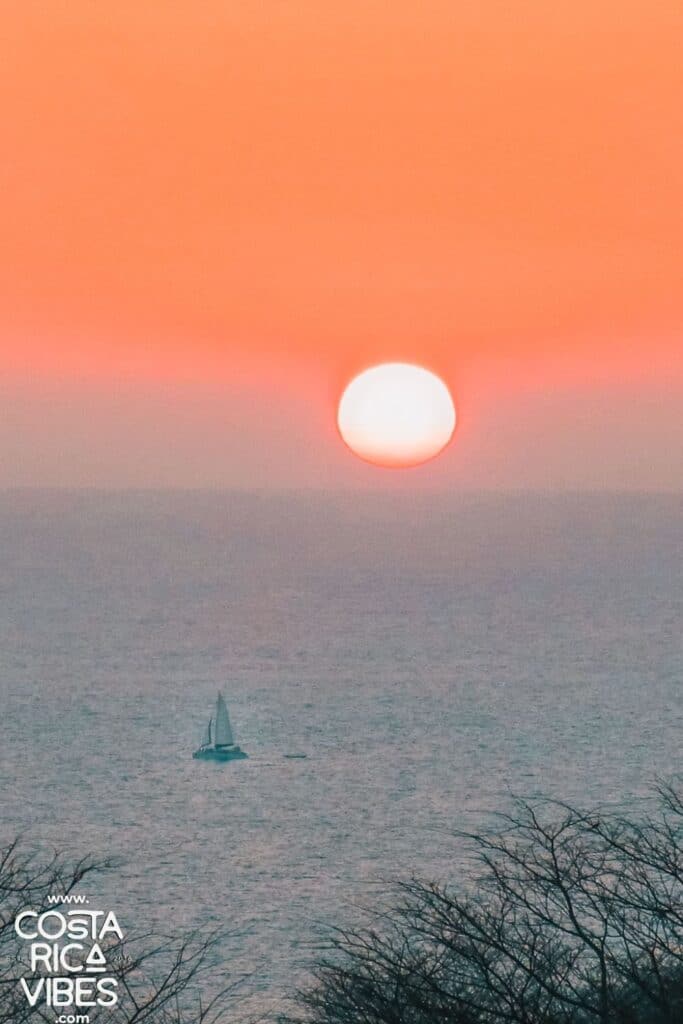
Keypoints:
pixel 431 654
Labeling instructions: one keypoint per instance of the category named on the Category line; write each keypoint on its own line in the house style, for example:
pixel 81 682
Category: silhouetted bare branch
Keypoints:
pixel 577 918
pixel 161 979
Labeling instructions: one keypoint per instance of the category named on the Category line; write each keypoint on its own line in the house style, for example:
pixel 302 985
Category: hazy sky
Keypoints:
pixel 213 214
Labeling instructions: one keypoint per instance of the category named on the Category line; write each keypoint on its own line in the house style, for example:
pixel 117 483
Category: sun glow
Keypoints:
pixel 396 415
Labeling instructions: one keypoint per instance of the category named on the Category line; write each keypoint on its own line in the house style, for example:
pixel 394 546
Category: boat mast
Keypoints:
pixel 222 731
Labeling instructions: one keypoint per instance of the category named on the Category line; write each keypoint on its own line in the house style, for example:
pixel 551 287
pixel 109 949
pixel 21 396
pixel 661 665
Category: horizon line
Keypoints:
pixel 376 490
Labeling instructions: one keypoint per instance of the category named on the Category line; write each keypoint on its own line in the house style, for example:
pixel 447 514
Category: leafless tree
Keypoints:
pixel 576 918
pixel 161 979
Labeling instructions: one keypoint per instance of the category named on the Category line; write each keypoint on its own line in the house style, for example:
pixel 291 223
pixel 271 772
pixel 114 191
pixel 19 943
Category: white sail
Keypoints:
pixel 222 730
pixel 206 738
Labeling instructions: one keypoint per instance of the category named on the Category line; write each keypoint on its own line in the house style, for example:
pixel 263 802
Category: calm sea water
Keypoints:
pixel 429 654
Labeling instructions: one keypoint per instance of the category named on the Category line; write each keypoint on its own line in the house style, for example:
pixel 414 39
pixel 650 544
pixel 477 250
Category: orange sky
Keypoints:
pixel 255 200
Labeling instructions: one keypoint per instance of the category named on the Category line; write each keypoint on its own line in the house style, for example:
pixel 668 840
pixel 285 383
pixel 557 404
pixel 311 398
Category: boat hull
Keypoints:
pixel 219 754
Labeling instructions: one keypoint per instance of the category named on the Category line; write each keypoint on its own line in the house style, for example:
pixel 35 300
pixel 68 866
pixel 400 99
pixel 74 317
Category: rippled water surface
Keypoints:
pixel 429 655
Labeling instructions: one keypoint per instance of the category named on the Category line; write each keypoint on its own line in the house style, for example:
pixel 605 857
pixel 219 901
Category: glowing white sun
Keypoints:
pixel 396 414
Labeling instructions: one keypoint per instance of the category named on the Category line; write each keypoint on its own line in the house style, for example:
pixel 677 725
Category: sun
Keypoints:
pixel 396 415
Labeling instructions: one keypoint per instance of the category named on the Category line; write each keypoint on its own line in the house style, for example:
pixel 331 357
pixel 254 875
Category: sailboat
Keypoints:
pixel 218 743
